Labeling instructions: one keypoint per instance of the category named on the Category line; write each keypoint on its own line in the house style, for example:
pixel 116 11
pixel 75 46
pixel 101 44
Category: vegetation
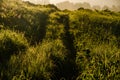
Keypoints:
pixel 41 42
pixel 74 6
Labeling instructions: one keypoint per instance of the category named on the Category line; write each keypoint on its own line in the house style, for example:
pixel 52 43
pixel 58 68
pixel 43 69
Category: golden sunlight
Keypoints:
pixel 92 2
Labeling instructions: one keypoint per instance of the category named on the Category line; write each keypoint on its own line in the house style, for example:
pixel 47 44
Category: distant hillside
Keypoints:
pixel 42 42
pixel 74 6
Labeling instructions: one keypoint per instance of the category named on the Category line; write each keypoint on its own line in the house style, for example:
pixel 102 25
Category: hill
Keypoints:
pixel 41 42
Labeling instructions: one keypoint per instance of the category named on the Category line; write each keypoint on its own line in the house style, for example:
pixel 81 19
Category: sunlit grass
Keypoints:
pixel 39 42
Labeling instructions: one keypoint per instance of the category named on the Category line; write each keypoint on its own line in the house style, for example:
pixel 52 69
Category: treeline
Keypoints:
pixel 74 6
pixel 42 42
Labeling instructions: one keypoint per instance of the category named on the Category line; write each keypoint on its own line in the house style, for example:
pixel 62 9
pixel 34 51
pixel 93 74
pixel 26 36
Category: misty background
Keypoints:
pixel 113 5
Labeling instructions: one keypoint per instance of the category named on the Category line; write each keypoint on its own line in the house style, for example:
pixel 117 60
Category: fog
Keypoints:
pixel 109 3
pixel 71 4
pixel 92 2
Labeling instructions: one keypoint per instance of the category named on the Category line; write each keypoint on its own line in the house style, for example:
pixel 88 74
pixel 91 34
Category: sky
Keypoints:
pixel 92 2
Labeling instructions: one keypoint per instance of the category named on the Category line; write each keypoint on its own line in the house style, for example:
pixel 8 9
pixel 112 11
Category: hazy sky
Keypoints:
pixel 92 2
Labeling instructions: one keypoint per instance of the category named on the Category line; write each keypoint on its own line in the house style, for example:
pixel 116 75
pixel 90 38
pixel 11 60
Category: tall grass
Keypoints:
pixel 40 62
pixel 11 43
pixel 43 43
pixel 101 63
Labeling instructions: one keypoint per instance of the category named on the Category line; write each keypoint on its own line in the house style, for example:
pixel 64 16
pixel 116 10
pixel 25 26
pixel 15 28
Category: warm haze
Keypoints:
pixel 92 2
pixel 67 40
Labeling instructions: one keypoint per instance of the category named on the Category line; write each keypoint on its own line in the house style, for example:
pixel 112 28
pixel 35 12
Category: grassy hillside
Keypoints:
pixel 41 42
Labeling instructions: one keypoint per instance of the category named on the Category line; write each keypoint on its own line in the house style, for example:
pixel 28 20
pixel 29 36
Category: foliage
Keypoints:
pixel 99 63
pixel 71 45
pixel 11 43
pixel 27 18
pixel 39 62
